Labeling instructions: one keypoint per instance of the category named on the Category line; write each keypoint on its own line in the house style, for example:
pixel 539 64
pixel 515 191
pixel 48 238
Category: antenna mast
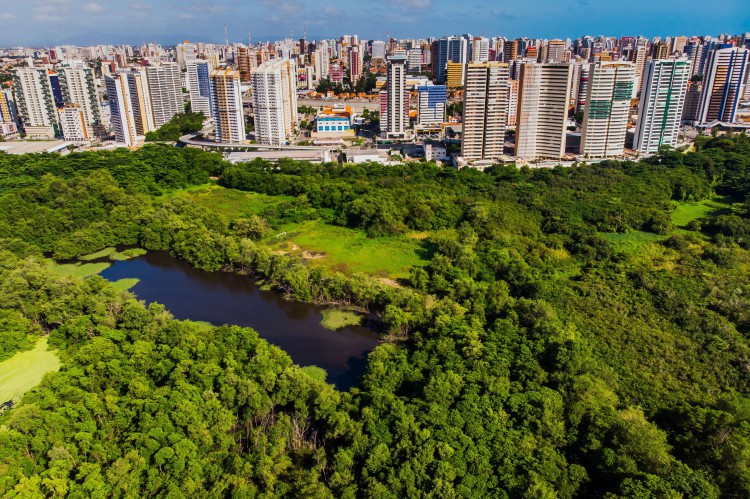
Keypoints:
pixel 226 35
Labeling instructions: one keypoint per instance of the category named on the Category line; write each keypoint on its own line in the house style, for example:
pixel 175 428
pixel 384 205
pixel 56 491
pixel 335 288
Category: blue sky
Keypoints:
pixel 41 22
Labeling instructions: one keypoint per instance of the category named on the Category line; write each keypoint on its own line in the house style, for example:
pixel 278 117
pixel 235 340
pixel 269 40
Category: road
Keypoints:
pixel 357 105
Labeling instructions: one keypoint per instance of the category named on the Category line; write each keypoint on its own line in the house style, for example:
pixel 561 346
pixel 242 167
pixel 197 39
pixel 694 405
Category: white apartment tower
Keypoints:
pixel 199 81
pixel 725 73
pixel 394 101
pixel 73 123
pixel 541 123
pixel 78 88
pixel 608 104
pixel 165 87
pixel 275 101
pixel 485 109
pixel 226 102
pixel 36 104
pixel 140 101
pixel 121 111
pixel 660 108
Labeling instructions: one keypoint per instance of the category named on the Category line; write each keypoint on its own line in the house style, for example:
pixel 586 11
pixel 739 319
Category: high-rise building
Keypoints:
pixel 247 60
pixel 485 108
pixel 726 70
pixel 605 120
pixel 186 52
pixel 692 101
pixel 510 51
pixel 199 80
pixel 140 101
pixel 378 49
pixel 583 87
pixel 322 61
pixel 394 103
pixel 480 49
pixel 6 107
pixel 639 59
pixel 661 104
pixel 660 50
pixel 510 119
pixel 556 51
pixel 454 73
pixel 678 44
pixel 431 104
pixel 73 123
pixel 121 111
pixel 36 105
pixel 414 60
pixel 541 123
pixel 226 102
pixel 356 61
pixel 165 86
pixel 79 88
pixel 275 101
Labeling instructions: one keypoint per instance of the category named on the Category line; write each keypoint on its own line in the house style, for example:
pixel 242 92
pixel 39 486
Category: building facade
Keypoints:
pixel 661 105
pixel 226 102
pixel 165 87
pixel 120 109
pixel 725 73
pixel 431 105
pixel 36 104
pixel 275 101
pixel 394 119
pixel 608 98
pixel 485 109
pixel 541 123
pixel 199 81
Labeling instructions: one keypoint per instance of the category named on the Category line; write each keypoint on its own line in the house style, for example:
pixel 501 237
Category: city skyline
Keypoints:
pixel 55 22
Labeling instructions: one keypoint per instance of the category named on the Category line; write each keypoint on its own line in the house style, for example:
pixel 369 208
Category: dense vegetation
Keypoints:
pixel 181 124
pixel 529 358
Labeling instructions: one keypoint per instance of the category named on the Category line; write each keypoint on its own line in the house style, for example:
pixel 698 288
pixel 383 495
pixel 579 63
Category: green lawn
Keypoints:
pixel 341 248
pixel 106 252
pixel 684 213
pixel 350 250
pixel 230 203
pixel 125 284
pixel 76 269
pixel 25 370
pixel 631 242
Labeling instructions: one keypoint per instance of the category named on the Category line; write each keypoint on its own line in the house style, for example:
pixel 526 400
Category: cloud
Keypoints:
pixel 6 16
pixel 205 7
pixel 93 7
pixel 413 4
pixel 186 16
pixel 331 10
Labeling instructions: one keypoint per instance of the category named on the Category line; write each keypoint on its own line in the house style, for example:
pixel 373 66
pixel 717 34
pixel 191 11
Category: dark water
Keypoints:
pixel 223 298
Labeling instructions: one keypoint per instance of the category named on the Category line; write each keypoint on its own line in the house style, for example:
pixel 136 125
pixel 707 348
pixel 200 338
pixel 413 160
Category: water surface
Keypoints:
pixel 224 298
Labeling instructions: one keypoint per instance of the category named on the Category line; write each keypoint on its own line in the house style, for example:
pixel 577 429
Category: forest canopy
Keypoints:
pixel 576 332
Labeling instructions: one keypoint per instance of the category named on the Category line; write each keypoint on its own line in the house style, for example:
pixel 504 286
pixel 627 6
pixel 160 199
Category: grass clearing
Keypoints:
pixel 106 252
pixel 350 250
pixel 25 370
pixel 127 254
pixel 336 318
pixel 76 269
pixel 631 242
pixel 340 248
pixel 684 213
pixel 230 203
pixel 125 284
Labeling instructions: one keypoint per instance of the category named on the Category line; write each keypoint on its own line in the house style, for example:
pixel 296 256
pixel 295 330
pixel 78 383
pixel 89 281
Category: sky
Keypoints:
pixel 50 22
